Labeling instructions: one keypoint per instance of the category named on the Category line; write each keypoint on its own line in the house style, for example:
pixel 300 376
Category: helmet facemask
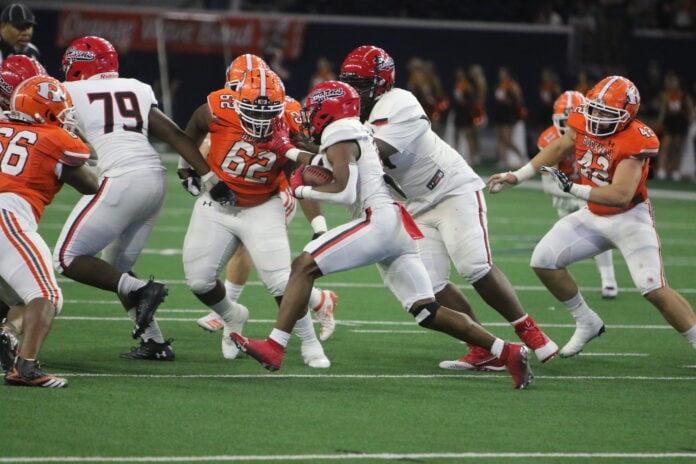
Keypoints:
pixel 602 120
pixel 256 117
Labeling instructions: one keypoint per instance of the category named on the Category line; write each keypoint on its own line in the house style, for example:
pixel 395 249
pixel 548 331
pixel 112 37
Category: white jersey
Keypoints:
pixel 113 117
pixel 372 190
pixel 426 167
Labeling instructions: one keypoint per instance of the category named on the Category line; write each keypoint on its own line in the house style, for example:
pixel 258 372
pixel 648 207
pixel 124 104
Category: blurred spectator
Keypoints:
pixel 274 57
pixel 16 31
pixel 673 120
pixel 650 92
pixel 583 83
pixel 549 90
pixel 507 111
pixel 427 87
pixel 464 106
pixel 324 72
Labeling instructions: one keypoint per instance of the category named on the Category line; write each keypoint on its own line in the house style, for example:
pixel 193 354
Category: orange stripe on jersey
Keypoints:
pixel 30 254
pixel 78 221
pixel 342 236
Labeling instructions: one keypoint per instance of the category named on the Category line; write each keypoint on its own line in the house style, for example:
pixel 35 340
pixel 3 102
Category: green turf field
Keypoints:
pixel 630 397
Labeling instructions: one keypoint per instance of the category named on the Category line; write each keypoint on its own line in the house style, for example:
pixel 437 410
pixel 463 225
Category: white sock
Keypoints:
pixel 577 307
pixel 304 329
pixel 605 265
pixel 280 337
pixel 517 321
pixel 225 308
pixel 153 332
pixel 497 348
pixel 234 291
pixel 690 335
pixel 315 298
pixel 127 283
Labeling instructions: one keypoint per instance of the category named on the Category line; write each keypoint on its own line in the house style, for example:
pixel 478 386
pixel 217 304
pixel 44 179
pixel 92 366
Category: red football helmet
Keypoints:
pixel 8 82
pixel 370 70
pixel 23 66
pixel 43 100
pixel 328 102
pixel 89 56
pixel 239 66
pixel 259 99
pixel 562 107
pixel 611 106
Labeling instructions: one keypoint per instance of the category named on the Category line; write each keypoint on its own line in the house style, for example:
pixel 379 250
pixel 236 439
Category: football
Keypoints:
pixel 314 176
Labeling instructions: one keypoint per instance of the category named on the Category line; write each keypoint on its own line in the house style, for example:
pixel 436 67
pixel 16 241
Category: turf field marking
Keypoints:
pixel 353 456
pixel 348 323
pixel 376 376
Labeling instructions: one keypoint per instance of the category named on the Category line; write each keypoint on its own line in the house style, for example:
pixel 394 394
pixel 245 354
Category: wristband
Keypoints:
pixel 581 191
pixel 206 177
pixel 299 191
pixel 319 225
pixel 525 172
pixel 292 154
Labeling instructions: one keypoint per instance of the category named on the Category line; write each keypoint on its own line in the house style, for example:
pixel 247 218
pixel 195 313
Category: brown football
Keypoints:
pixel 314 176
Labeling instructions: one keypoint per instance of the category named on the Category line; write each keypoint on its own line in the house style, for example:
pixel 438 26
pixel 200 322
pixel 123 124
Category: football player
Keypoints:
pixel 116 115
pixel 38 153
pixel 444 196
pixel 612 151
pixel 381 232
pixel 15 69
pixel 240 126
pixel 239 266
pixel 564 202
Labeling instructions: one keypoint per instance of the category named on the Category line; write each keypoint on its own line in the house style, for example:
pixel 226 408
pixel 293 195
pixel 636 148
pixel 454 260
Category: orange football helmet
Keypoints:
pixel 562 107
pixel 259 99
pixel 43 100
pixel 611 106
pixel 239 66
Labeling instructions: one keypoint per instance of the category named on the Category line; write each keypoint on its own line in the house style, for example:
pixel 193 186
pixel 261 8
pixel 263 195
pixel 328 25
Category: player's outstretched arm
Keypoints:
pixel 81 178
pixel 548 156
pixel 169 132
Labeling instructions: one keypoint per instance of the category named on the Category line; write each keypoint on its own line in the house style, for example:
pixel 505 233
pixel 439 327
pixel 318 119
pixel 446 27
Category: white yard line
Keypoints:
pixel 350 456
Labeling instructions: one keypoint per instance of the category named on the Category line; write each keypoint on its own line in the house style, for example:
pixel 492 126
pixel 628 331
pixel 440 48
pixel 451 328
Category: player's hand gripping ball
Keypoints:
pixel 314 176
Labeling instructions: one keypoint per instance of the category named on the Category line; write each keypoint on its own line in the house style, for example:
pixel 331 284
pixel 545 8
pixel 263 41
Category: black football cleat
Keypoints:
pixel 148 298
pixel 152 351
pixel 28 374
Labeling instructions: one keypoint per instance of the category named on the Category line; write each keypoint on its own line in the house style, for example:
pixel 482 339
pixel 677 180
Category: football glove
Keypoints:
pixel 280 142
pixel 190 180
pixel 296 179
pixel 564 183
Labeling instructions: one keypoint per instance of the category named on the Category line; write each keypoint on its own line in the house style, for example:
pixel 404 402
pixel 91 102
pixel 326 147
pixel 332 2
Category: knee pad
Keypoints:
pixel 544 258
pixel 200 286
pixel 648 279
pixel 425 314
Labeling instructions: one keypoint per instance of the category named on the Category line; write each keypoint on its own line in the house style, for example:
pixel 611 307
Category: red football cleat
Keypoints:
pixel 268 352
pixel 517 363
pixel 477 359
pixel 532 336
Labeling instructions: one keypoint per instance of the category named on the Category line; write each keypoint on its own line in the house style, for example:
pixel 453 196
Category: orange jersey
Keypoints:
pixel 567 164
pixel 28 158
pixel 233 157
pixel 597 157
pixel 293 114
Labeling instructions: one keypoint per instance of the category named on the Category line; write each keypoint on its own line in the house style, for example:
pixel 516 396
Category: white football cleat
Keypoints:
pixel 240 316
pixel 589 328
pixel 212 322
pixel 609 290
pixel 313 355
pixel 324 312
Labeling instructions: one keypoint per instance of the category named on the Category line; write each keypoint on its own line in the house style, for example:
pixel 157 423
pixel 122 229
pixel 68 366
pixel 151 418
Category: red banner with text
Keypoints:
pixel 183 32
